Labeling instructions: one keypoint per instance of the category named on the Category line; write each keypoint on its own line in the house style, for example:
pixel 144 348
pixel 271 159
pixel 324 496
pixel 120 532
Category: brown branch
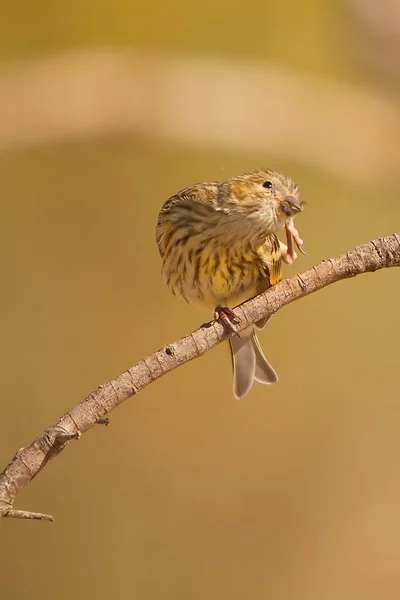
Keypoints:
pixel 23 514
pixel 28 462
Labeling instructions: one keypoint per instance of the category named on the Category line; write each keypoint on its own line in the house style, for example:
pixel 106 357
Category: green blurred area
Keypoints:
pixel 291 493
pixel 295 33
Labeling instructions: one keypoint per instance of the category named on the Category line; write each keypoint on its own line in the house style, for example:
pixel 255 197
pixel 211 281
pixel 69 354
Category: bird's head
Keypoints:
pixel 265 197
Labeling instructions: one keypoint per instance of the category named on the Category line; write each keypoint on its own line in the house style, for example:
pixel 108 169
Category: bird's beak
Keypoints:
pixel 291 205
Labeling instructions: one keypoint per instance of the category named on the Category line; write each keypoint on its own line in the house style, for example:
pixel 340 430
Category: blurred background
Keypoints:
pixel 107 109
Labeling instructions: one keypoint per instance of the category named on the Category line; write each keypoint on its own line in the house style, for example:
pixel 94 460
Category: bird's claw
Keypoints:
pixel 292 235
pixel 228 318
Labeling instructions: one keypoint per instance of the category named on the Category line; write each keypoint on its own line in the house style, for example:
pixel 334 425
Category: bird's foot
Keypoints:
pixel 288 253
pixel 292 235
pixel 228 318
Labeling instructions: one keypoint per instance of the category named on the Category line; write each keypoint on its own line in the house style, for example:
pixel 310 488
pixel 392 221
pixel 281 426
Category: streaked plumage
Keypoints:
pixel 219 247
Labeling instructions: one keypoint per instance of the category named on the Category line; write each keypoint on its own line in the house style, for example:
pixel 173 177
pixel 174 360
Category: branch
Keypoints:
pixel 28 462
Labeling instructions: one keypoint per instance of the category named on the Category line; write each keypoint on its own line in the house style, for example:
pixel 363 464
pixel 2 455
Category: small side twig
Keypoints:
pixel 24 514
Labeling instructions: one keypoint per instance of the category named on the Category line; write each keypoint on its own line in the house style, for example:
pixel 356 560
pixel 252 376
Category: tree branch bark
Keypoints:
pixel 28 462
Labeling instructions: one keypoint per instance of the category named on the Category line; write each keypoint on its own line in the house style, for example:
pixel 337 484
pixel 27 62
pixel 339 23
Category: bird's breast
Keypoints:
pixel 214 274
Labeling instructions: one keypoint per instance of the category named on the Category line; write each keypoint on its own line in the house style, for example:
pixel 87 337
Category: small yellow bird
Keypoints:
pixel 219 248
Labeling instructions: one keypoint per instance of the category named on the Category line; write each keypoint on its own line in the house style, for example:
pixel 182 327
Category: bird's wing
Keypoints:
pixel 271 260
pixel 187 206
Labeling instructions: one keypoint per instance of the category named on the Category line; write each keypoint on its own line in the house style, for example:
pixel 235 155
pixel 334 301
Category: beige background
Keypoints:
pixel 291 493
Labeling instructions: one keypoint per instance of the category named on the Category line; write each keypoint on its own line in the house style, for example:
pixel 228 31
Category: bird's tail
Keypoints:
pixel 249 363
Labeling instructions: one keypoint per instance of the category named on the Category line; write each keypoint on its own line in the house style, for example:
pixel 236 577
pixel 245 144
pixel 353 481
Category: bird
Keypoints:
pixel 219 247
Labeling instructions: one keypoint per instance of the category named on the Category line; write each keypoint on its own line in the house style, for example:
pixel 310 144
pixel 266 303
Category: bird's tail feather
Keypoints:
pixel 249 363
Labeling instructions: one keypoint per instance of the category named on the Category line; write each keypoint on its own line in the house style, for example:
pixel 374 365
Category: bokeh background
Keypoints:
pixel 106 109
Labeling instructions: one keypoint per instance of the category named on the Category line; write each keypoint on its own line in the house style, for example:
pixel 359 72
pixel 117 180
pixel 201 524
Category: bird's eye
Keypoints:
pixel 267 184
